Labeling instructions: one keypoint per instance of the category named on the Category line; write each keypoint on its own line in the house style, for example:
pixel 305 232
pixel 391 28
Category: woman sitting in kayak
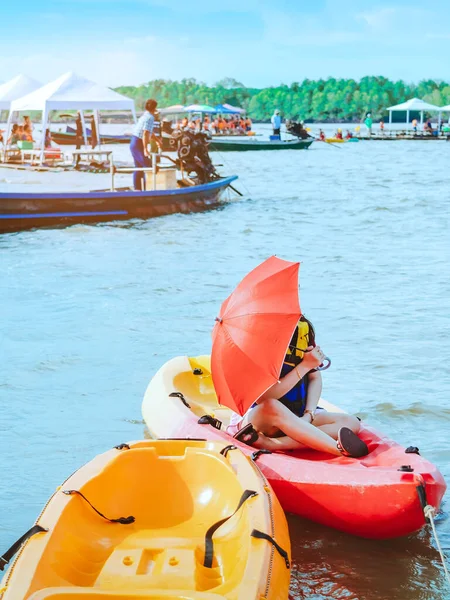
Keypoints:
pixel 286 417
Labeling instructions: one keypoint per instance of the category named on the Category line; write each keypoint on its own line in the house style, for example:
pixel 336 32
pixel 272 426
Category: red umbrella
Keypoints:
pixel 253 331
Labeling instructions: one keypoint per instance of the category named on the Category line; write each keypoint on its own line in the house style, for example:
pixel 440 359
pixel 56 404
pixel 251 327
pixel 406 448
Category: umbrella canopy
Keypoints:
pixel 222 109
pixel 415 104
pixel 235 109
pixel 175 109
pixel 200 108
pixel 252 333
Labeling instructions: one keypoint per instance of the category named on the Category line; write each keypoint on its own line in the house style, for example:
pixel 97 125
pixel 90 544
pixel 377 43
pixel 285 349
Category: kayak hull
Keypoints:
pixel 367 497
pixel 170 495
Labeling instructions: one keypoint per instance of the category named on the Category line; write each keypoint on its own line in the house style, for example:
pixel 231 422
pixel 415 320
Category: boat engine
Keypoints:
pixel 193 155
pixel 297 129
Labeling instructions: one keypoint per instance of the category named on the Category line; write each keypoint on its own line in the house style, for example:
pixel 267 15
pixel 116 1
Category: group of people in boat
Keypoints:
pixel 21 132
pixel 233 125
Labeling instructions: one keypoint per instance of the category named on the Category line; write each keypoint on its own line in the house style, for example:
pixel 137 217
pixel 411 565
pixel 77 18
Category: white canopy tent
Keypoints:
pixel 415 104
pixel 16 88
pixel 71 92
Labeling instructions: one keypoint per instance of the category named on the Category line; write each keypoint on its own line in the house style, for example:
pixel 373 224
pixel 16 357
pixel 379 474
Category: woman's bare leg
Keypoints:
pixel 271 416
pixel 330 423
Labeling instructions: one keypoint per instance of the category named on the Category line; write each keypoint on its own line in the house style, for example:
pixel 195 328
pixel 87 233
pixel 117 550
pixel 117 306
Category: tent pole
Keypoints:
pixel 83 123
pixel 45 115
pixel 8 132
pixel 390 117
pixel 421 117
pixel 97 124
pixel 439 120
pixel 407 117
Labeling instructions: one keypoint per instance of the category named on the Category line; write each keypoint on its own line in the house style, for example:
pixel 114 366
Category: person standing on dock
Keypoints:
pixel 140 140
pixel 368 123
pixel 276 122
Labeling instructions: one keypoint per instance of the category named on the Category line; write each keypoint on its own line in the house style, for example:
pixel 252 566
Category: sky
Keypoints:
pixel 258 42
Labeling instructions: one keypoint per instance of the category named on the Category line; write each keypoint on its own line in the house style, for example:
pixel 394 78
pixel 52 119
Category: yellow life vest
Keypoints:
pixel 298 344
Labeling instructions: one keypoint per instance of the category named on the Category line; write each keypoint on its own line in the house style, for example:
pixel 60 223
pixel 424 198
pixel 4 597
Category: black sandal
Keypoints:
pixel 247 435
pixel 349 444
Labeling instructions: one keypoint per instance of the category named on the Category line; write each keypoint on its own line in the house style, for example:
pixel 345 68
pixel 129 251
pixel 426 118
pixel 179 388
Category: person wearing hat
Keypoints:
pixel 276 122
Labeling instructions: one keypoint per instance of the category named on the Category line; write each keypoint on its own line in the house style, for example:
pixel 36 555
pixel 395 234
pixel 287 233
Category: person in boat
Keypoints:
pixel 349 135
pixel 382 127
pixel 15 135
pixel 28 128
pixel 276 122
pixel 286 416
pixel 428 126
pixel 206 123
pixel 339 134
pixel 141 139
pixel 322 135
pixel 248 124
pixel 48 139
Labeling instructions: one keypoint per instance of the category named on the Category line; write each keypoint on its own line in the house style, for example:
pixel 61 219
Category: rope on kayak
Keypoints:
pixel 121 520
pixel 7 556
pixel 281 551
pixel 430 512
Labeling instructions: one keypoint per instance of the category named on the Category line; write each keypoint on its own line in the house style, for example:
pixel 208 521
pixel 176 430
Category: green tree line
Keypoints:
pixel 313 100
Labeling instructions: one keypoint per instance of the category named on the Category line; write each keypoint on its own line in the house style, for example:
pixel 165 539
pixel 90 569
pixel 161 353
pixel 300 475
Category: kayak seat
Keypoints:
pixel 174 499
pixel 197 387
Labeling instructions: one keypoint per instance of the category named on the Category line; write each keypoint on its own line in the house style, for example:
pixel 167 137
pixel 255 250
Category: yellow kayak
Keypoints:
pixel 334 140
pixel 168 519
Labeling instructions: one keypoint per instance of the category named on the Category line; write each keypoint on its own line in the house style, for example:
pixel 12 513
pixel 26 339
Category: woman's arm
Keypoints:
pixel 314 390
pixel 311 360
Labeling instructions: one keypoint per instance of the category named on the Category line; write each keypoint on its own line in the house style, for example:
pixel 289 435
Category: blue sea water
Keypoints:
pixel 89 313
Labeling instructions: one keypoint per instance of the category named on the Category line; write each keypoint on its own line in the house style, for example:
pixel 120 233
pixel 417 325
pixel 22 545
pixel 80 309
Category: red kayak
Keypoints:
pixel 379 496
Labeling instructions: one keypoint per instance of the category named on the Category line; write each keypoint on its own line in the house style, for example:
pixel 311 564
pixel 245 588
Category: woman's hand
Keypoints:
pixel 313 357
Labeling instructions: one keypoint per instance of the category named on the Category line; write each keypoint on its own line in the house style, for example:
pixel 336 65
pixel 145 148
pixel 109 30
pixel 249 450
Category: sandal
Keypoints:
pixel 247 435
pixel 349 444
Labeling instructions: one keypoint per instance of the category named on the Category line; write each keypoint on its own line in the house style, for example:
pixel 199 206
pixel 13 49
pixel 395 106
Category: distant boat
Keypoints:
pixel 68 138
pixel 19 211
pixel 252 144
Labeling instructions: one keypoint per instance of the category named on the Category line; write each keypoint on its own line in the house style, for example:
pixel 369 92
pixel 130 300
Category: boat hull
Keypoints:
pixel 158 503
pixel 252 145
pixel 69 139
pixel 368 497
pixel 27 211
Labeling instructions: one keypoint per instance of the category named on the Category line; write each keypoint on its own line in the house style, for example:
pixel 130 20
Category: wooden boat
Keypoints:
pixel 376 496
pixel 69 138
pixel 252 144
pixel 174 520
pixel 22 210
